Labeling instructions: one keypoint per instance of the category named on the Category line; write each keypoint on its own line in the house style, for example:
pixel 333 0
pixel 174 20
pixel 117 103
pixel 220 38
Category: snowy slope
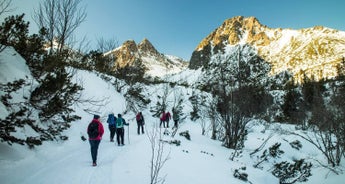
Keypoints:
pixel 13 67
pixel 196 161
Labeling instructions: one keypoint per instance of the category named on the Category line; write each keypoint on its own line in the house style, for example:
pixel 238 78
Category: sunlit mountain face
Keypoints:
pixel 148 58
pixel 315 52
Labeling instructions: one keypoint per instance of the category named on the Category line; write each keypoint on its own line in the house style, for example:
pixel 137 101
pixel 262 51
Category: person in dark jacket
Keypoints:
pixel 95 140
pixel 112 126
pixel 120 131
pixel 141 122
pixel 176 118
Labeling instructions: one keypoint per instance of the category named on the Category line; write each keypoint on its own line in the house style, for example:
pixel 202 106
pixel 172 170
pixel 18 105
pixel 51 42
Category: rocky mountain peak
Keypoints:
pixel 313 52
pixel 146 47
pixel 235 30
pixel 146 56
pixel 130 45
pixel 127 54
pixel 240 24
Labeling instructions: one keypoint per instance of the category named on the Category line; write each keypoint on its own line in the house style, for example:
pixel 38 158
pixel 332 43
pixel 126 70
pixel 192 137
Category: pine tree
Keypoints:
pixel 14 32
pixel 294 107
pixel 194 99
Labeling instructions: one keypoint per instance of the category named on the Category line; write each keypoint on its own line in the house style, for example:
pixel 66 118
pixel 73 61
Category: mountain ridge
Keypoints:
pixel 131 53
pixel 296 51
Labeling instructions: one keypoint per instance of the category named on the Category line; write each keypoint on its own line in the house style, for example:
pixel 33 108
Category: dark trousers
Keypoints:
pixel 164 122
pixel 175 123
pixel 167 123
pixel 112 130
pixel 120 132
pixel 94 149
pixel 140 126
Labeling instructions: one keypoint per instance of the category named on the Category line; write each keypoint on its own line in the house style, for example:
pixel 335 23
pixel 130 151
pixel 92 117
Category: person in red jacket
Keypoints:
pixel 167 118
pixel 95 131
pixel 162 118
pixel 140 122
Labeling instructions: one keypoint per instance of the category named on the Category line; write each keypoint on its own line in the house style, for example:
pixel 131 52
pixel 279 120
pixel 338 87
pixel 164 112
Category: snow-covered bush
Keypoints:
pixel 272 152
pixel 289 173
pixel 240 174
pixel 185 134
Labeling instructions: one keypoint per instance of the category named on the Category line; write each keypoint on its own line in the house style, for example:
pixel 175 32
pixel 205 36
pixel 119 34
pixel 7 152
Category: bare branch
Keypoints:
pixel 61 19
pixel 45 17
pixel 5 6
pixel 104 45
pixel 157 155
pixel 262 145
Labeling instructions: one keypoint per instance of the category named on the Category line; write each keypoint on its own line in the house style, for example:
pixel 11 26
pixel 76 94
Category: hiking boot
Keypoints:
pixel 94 164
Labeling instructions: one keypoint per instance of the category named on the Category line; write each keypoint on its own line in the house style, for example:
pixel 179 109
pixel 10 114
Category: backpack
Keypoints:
pixel 92 130
pixel 163 118
pixel 175 116
pixel 111 120
pixel 119 123
pixel 138 117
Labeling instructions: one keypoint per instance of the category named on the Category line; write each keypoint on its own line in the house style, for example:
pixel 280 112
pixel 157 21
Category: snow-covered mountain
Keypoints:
pixel 315 52
pixel 155 63
pixel 198 160
pixel 272 152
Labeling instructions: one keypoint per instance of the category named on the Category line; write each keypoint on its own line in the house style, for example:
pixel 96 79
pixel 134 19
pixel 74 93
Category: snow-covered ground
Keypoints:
pixel 196 161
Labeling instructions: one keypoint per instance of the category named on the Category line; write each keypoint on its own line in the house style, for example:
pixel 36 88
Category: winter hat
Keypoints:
pixel 96 116
pixel 119 115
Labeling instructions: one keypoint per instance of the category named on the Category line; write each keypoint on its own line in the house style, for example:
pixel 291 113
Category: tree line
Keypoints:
pixel 241 90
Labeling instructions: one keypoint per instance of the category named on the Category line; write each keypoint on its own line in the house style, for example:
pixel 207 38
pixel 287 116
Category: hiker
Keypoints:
pixel 120 131
pixel 176 118
pixel 141 122
pixel 162 120
pixel 167 118
pixel 95 131
pixel 111 124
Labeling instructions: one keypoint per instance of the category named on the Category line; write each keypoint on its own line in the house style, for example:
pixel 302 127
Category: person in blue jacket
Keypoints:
pixel 112 126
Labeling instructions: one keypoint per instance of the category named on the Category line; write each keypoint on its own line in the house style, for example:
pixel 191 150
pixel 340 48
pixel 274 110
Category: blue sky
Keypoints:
pixel 176 27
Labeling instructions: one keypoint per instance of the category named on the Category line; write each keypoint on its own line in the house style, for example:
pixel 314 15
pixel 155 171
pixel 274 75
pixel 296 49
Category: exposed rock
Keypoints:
pixel 127 54
pixel 146 56
pixel 315 52
pixel 146 48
